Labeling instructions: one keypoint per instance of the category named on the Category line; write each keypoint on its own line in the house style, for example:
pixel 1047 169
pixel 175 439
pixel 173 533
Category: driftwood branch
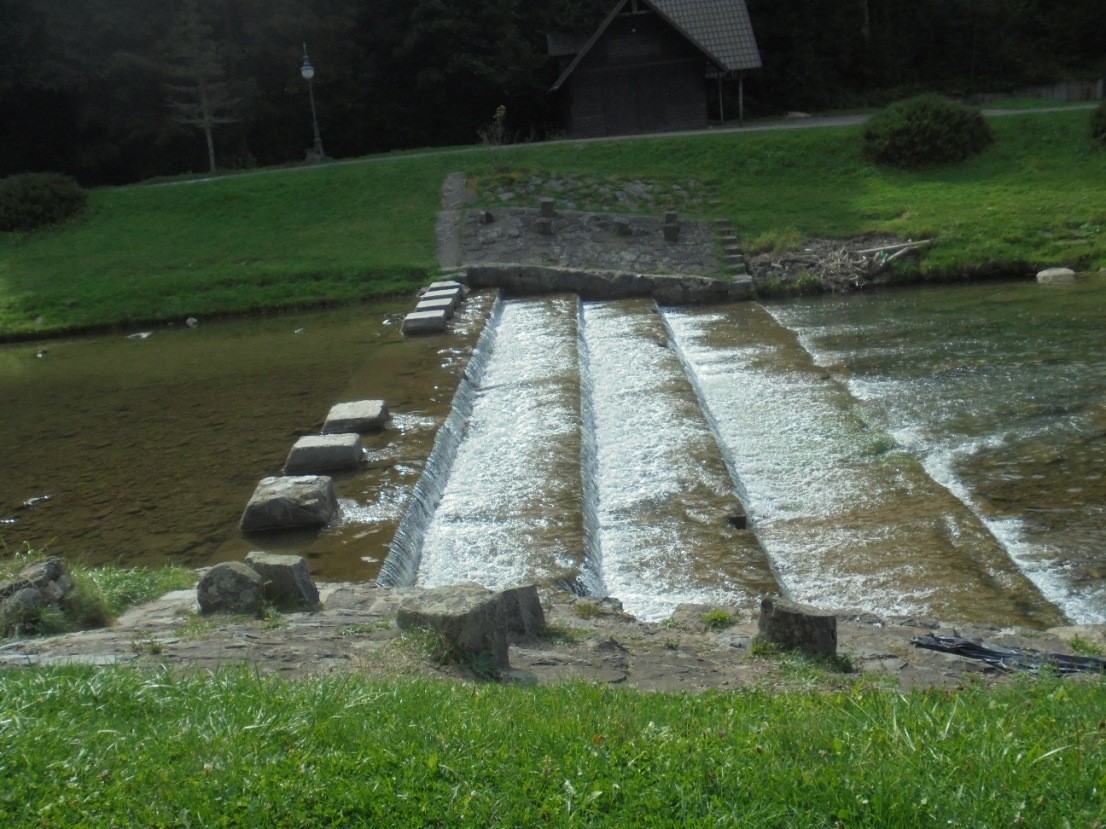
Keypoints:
pixel 900 247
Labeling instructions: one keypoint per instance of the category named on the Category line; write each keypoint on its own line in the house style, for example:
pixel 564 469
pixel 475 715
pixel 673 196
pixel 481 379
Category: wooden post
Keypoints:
pixel 741 99
pixel 721 111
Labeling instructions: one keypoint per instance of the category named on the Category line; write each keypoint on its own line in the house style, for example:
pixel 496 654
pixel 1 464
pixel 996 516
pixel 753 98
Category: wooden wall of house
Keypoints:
pixel 641 76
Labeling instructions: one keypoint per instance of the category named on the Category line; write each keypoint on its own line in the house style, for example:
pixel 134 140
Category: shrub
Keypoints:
pixel 925 130
pixel 34 200
pixel 1098 125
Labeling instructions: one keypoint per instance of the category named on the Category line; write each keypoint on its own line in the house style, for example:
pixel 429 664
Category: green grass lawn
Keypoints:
pixel 343 232
pixel 83 747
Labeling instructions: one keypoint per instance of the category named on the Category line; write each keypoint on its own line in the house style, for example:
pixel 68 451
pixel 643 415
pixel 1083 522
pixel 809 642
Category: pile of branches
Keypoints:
pixel 840 266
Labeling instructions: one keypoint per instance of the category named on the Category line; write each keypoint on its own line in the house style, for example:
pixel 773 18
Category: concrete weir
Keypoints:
pixel 847 519
pixel 401 566
pixel 668 521
pixel 511 509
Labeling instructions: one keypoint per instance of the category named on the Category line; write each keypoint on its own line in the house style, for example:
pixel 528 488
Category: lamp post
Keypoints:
pixel 308 72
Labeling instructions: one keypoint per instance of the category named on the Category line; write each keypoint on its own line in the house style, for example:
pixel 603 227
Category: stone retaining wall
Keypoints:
pixel 664 288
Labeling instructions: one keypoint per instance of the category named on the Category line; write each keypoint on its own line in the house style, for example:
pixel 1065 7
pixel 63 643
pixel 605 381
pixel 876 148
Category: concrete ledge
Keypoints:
pixel 356 416
pixel 325 453
pixel 666 289
pixel 424 322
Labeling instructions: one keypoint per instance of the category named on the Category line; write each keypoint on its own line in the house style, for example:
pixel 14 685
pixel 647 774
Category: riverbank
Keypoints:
pixel 347 232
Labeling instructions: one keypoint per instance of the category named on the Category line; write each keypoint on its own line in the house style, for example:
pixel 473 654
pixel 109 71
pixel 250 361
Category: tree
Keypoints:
pixel 201 96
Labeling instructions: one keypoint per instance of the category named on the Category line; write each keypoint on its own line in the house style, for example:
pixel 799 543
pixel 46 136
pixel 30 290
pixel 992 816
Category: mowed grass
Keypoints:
pixel 82 747
pixel 347 232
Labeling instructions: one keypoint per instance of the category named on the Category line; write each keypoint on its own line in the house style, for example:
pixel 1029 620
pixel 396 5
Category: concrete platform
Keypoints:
pixel 356 416
pixel 424 322
pixel 444 304
pixel 325 453
pixel 443 284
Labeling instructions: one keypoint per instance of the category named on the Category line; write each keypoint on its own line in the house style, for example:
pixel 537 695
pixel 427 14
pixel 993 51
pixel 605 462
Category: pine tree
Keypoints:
pixel 199 93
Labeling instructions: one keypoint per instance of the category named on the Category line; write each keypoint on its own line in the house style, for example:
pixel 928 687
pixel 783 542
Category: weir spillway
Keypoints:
pixel 614 447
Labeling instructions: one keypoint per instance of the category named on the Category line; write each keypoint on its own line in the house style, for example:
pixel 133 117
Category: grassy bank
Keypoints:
pixel 345 232
pixel 115 747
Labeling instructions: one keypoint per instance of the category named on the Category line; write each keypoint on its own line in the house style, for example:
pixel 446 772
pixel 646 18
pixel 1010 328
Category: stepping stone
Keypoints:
pixel 424 322
pixel 290 502
pixel 356 416
pixel 285 580
pixel 455 295
pixel 445 304
pixel 325 453
pixel 443 284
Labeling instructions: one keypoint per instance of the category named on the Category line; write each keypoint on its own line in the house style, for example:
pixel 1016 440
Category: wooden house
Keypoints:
pixel 653 65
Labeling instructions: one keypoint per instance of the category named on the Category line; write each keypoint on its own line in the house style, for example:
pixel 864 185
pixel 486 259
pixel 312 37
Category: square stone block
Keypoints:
pixel 436 305
pixel 356 416
pixel 424 322
pixel 455 295
pixel 444 283
pixel 290 502
pixel 325 453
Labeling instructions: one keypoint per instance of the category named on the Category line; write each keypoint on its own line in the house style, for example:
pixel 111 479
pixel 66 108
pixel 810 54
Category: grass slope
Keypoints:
pixel 116 747
pixel 345 232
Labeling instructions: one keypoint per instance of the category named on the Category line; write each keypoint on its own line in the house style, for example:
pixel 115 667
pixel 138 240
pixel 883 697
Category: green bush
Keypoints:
pixel 1098 125
pixel 925 130
pixel 34 200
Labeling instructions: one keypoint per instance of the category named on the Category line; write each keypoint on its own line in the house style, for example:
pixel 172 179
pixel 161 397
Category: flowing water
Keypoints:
pixel 512 510
pixel 935 452
pixel 664 494
pixel 999 391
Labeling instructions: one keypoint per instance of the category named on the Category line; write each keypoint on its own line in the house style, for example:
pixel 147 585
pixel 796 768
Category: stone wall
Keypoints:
pixel 667 289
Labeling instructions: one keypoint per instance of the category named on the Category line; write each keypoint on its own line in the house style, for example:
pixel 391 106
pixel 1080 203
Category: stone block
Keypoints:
pixel 468 616
pixel 444 305
pixel 1055 276
pixel 231 587
pixel 285 580
pixel 522 611
pixel 455 295
pixel 622 227
pixel 544 227
pixel 797 627
pixel 290 502
pixel 312 454
pixel 356 416
pixel 444 284
pixel 424 322
pixel 547 209
pixel 671 217
pixel 671 232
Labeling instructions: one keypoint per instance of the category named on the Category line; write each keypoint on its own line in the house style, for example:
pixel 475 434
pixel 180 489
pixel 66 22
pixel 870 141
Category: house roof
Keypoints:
pixel 720 29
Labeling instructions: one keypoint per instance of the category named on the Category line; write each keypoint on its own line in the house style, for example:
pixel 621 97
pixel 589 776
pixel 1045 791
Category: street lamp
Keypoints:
pixel 308 72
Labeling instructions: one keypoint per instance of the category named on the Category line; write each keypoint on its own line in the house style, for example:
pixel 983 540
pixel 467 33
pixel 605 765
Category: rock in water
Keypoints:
pixel 289 502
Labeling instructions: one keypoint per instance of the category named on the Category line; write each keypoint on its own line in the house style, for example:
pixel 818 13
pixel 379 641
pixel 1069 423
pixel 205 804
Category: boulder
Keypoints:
pixel 231 587
pixel 797 627
pixel 522 611
pixel 288 502
pixel 424 322
pixel 38 588
pixel 285 580
pixel 325 453
pixel 356 416
pixel 1054 276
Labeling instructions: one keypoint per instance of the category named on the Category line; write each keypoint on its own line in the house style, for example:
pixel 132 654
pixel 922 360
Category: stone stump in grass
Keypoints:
pixel 794 626
pixel 285 580
pixel 232 587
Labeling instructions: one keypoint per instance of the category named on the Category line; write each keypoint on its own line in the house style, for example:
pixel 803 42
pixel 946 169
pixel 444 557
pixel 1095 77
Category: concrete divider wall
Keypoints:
pixel 664 288
pixel 401 567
